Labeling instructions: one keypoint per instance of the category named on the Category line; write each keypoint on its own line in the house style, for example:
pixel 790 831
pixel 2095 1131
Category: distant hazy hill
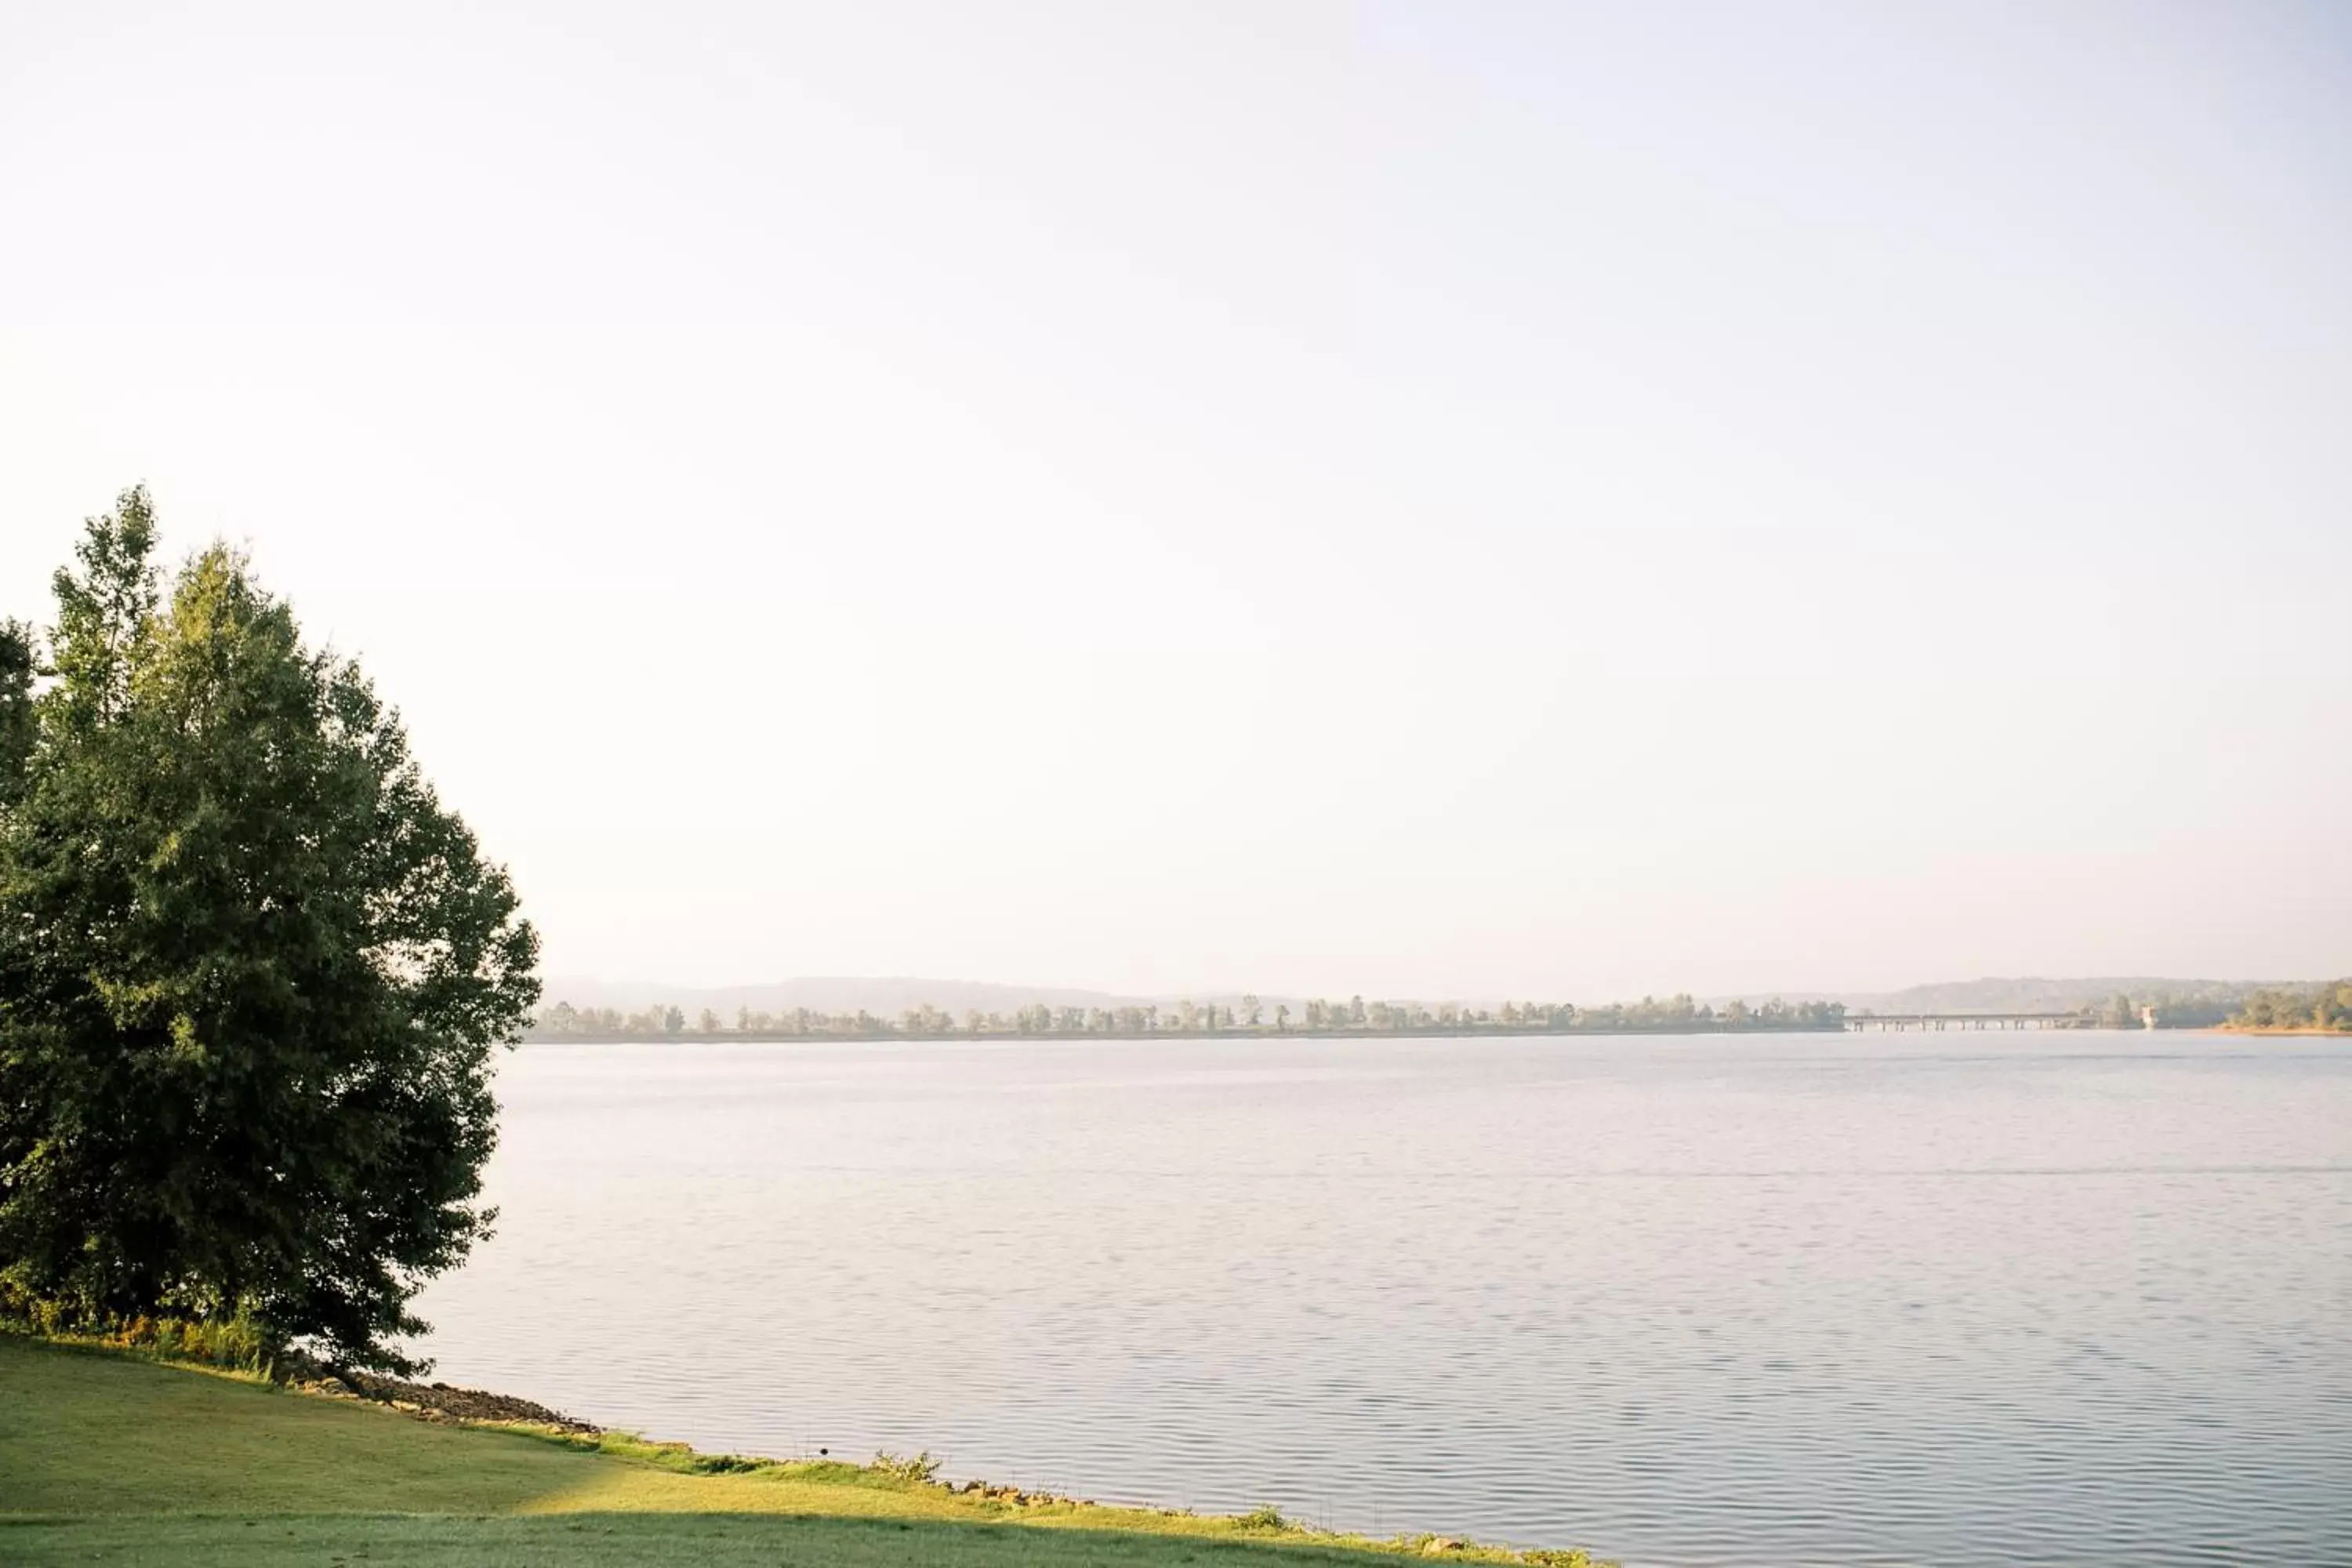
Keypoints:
pixel 885 996
pixel 2036 993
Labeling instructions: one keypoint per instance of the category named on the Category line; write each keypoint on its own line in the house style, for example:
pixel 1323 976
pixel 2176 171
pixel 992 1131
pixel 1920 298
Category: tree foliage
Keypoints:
pixel 252 972
pixel 2327 1008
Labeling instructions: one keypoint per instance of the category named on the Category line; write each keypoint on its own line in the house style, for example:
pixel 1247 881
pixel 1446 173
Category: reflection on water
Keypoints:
pixel 1954 1299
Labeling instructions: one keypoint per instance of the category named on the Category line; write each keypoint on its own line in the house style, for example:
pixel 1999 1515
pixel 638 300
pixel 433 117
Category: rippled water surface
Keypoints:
pixel 1958 1299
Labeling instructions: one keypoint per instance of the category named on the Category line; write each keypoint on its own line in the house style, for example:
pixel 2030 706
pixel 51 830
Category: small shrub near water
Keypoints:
pixel 906 1466
pixel 1265 1516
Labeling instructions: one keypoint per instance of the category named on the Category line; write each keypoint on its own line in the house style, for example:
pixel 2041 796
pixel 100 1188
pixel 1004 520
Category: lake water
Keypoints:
pixel 1954 1299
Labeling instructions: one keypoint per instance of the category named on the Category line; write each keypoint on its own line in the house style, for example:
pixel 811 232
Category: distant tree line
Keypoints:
pixel 1250 1016
pixel 2163 1011
pixel 2214 1006
pixel 2326 1007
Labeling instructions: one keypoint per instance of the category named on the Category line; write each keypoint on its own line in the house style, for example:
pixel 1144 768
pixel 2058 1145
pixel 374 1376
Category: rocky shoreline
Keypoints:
pixel 442 1402
pixel 427 1401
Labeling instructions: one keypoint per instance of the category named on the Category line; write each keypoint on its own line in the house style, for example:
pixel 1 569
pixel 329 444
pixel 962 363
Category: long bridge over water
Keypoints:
pixel 1964 1021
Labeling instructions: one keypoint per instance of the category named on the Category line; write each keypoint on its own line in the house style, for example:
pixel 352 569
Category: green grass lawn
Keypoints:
pixel 106 1457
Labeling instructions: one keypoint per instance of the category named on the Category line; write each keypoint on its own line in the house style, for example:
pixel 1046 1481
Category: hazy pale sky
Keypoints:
pixel 1424 499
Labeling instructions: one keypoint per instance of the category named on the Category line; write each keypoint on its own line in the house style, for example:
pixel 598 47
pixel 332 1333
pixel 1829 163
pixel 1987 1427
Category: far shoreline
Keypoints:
pixel 959 1038
pixel 1857 1024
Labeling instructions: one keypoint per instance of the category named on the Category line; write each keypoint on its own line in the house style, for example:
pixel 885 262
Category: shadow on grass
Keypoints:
pixel 608 1540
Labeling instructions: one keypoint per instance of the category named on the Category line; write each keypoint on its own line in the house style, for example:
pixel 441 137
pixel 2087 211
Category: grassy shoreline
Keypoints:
pixel 134 1457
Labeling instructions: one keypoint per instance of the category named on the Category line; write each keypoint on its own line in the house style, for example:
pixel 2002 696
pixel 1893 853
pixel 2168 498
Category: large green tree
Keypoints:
pixel 252 974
